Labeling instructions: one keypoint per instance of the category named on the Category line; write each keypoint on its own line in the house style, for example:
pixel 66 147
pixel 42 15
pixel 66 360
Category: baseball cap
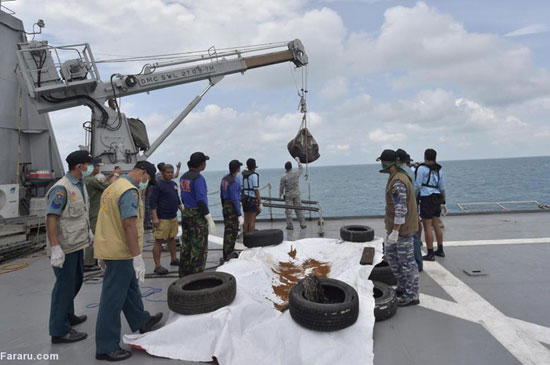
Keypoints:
pixel 387 155
pixel 149 168
pixel 76 157
pixel 96 161
pixel 197 158
pixel 251 164
pixel 234 165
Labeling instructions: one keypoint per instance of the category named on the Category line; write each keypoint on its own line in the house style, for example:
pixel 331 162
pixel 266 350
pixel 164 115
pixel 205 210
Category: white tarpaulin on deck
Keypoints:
pixel 251 331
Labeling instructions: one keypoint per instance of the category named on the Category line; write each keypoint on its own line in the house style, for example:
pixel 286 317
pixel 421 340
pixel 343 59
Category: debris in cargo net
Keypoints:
pixel 304 146
pixel 290 273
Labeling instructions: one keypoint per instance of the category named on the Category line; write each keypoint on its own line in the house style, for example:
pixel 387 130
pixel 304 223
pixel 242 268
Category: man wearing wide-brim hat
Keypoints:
pixel 401 220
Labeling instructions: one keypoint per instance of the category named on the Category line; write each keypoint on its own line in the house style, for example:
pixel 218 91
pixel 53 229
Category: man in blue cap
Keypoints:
pixel 68 234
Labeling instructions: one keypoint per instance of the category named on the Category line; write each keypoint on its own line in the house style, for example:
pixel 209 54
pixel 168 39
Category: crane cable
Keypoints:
pixel 302 93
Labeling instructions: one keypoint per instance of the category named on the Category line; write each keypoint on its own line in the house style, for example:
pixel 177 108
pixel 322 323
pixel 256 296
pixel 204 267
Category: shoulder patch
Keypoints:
pixel 60 194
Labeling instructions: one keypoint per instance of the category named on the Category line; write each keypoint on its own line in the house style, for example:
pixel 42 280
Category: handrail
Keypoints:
pixel 312 202
pixel 501 205
pixel 315 208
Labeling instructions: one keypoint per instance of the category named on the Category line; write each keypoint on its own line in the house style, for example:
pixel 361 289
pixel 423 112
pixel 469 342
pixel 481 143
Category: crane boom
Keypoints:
pixel 56 83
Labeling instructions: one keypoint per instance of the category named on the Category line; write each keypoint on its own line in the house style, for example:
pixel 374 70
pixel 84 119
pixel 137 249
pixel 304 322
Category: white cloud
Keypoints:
pixel 429 48
pixel 528 30
pixel 380 136
pixel 335 88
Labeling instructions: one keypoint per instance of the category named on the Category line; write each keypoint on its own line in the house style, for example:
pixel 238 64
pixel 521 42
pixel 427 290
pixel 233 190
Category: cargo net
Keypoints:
pixel 304 145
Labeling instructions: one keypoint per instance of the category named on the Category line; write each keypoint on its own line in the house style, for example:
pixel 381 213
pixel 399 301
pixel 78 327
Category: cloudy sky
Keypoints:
pixel 469 78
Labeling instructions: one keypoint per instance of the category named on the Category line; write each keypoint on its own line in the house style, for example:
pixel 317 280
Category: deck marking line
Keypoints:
pixel 512 241
pixel 540 333
pixel 519 342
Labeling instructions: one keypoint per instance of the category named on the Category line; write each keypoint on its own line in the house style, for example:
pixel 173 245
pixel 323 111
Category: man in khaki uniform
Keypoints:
pixel 68 233
pixel 118 247
pixel 401 220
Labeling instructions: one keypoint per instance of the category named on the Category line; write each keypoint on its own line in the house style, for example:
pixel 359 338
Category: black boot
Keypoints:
pixel 430 256
pixel 439 252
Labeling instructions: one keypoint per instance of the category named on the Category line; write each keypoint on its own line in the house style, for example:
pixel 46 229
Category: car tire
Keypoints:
pixel 382 273
pixel 262 238
pixel 357 233
pixel 202 293
pixel 385 301
pixel 325 316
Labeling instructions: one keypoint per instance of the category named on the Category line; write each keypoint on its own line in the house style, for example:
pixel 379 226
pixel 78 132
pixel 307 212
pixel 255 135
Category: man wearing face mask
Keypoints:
pixel 68 233
pixel 118 246
pixel 196 220
pixel 401 221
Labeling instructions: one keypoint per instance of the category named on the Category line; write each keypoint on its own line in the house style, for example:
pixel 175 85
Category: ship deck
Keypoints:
pixel 500 317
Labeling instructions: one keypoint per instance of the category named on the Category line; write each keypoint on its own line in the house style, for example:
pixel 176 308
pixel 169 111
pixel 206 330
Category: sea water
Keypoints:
pixel 358 190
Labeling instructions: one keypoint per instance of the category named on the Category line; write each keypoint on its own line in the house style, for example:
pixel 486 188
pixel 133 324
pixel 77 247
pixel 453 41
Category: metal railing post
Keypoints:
pixel 270 208
pixel 309 197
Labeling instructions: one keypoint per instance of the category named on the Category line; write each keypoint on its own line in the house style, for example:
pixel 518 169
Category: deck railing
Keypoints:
pixel 504 206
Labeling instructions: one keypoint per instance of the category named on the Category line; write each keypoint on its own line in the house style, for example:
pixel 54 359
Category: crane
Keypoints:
pixel 56 82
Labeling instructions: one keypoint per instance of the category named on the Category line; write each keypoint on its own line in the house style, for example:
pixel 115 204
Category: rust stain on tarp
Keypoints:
pixel 290 273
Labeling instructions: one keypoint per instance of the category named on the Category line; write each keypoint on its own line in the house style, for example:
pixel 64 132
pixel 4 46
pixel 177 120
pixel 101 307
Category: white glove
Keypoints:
pixel 101 264
pixel 444 209
pixel 58 256
pixel 297 159
pixel 139 268
pixel 260 207
pixel 211 224
pixel 91 236
pixel 393 236
pixel 241 220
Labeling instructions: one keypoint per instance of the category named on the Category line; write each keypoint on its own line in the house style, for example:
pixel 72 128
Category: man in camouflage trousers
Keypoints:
pixel 401 220
pixel 196 220
pixel 230 194
pixel 193 249
pixel 289 187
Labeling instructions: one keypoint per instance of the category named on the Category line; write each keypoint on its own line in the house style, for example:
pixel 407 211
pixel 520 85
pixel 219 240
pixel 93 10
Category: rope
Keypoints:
pixel 14 266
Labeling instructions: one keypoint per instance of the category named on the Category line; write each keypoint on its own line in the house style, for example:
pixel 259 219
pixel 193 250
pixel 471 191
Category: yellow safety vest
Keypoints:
pixel 110 239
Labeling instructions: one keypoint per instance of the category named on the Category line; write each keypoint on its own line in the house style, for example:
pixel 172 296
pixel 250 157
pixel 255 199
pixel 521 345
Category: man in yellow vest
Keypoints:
pixel 401 220
pixel 68 233
pixel 118 247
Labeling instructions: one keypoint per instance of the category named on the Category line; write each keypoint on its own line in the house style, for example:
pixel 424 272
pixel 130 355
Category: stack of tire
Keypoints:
pixel 385 298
